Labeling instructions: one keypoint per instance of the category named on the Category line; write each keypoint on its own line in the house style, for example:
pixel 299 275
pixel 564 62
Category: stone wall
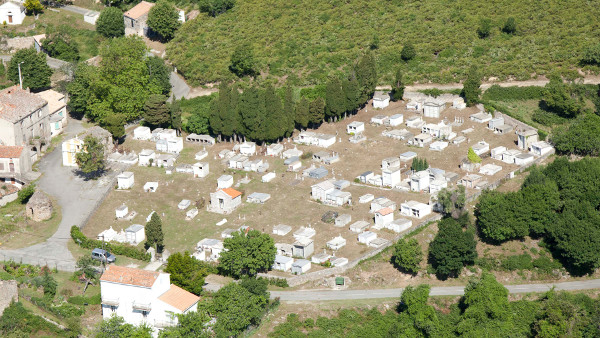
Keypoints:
pixel 8 292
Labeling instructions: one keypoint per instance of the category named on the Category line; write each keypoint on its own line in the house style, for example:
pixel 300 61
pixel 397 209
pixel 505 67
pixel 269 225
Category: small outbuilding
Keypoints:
pixel 135 234
pixel 281 229
pixel 343 220
pixel 225 181
pixel 200 169
pixel 142 133
pixel 122 211
pixel 381 100
pixel 283 263
pixel 366 237
pixel 258 197
pixel 303 248
pixel 396 120
pixel 150 186
pixel 359 226
pixel 125 180
pixel 39 208
pixel 415 209
pixel 146 157
pixel 301 266
pixel 432 108
pixel 541 148
pixel 336 243
pixel 399 225
pixel 268 177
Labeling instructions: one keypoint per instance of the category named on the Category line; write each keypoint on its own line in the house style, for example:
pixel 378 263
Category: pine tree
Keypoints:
pixel 156 111
pixel 302 117
pixel 288 112
pixel 398 86
pixel 218 110
pixel 335 99
pixel 91 159
pixel 154 234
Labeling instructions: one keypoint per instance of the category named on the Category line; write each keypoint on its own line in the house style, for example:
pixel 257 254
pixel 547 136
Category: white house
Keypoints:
pixel 381 100
pixel 135 234
pixel 142 133
pixel 541 148
pixel 336 243
pixel 415 209
pixel 301 266
pixel 225 181
pixel 57 109
pixel 384 217
pixel 355 127
pixel 320 190
pixel 396 120
pixel 248 148
pixel 274 149
pixel 283 263
pixel 125 180
pixel 366 237
pixel 399 225
pixel 201 169
pixel 142 296
pixel 146 157
pixel 390 176
pixel 432 108
pixel 12 13
pixel 419 181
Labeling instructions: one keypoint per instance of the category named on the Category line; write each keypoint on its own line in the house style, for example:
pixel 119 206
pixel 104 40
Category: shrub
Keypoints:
pixel 473 158
pixel 25 194
pixel 117 249
pixel 591 56
pixel 547 118
pixel 509 94
pixel 546 264
pixel 517 262
pixel 408 52
pixel 485 28
pixel 81 300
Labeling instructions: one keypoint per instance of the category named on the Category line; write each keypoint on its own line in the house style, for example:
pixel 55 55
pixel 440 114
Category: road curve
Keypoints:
pixel 327 295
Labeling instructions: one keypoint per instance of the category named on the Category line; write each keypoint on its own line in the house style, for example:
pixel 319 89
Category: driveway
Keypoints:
pixel 77 198
pixel 179 88
pixel 325 295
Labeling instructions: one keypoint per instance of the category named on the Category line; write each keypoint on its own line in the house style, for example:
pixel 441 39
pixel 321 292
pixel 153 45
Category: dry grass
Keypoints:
pixel 19 232
pixel 290 195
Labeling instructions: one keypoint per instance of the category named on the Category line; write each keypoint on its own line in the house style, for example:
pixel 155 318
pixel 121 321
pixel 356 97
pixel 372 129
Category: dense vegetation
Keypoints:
pixel 559 203
pixel 35 73
pixel 453 247
pixel 310 40
pixel 484 311
pixel 246 254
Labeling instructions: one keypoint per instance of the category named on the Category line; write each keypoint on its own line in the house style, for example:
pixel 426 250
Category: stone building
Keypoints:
pixel 39 207
pixel 9 292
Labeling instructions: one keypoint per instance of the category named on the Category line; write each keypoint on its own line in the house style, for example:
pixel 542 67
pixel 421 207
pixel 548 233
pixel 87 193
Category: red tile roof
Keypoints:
pixel 232 192
pixel 139 10
pixel 10 151
pixel 179 298
pixel 130 276
pixel 385 211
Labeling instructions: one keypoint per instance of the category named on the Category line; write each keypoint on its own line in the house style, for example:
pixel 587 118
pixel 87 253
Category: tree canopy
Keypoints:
pixel 407 255
pixel 110 23
pixel 154 233
pixel 163 19
pixel 187 272
pixel 34 70
pixel 236 308
pixel 243 62
pixel 247 254
pixel 471 87
pixel 91 158
pixel 452 249
pixel 61 46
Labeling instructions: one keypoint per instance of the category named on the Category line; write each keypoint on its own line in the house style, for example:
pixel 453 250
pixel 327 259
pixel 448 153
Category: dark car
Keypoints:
pixel 103 256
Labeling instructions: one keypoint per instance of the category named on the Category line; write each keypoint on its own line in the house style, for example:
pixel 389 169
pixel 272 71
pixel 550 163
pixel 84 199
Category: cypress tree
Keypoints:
pixel 302 117
pixel 218 108
pixel 274 125
pixel 366 74
pixel 252 113
pixel 231 122
pixel 352 92
pixel 398 86
pixel 317 111
pixel 471 90
pixel 288 112
pixel 335 99
pixel 154 234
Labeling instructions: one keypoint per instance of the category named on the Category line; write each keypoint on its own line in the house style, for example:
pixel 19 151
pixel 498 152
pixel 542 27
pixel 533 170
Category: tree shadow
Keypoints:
pixel 93 176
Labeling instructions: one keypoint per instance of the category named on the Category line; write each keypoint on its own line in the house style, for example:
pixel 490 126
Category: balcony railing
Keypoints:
pixel 110 301
pixel 142 306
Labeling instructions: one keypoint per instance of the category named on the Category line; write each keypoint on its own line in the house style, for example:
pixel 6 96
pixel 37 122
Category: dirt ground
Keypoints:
pixel 290 201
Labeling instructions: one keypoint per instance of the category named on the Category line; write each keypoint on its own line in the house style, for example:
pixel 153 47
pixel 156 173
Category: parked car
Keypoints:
pixel 103 256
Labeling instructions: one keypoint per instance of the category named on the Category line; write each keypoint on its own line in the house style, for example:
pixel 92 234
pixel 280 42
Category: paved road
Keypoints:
pixel 77 199
pixel 325 295
pixel 179 87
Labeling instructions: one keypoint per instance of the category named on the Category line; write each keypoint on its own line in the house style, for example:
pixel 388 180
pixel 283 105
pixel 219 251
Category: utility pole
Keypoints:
pixel 20 77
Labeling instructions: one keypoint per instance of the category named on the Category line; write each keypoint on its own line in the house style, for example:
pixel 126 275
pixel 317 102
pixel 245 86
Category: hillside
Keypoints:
pixel 310 38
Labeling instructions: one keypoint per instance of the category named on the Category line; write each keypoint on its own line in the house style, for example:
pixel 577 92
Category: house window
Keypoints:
pixel 145 314
pixel 56 125
pixel 11 167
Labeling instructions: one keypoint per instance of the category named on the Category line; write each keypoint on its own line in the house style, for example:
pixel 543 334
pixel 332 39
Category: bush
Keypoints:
pixel 517 262
pixel 117 249
pixel 307 155
pixel 64 310
pixel 485 28
pixel 546 264
pixel 280 282
pixel 509 94
pixel 82 300
pixel 25 194
pixel 591 55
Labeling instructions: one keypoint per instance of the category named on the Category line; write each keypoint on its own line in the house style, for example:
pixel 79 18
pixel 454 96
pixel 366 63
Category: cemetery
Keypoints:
pixel 368 186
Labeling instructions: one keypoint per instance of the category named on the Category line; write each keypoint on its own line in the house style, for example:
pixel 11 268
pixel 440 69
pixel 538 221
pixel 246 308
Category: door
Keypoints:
pixel 11 167
pixel 10 19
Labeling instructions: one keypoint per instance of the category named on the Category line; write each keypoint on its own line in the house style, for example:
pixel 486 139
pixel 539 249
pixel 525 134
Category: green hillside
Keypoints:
pixel 311 38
